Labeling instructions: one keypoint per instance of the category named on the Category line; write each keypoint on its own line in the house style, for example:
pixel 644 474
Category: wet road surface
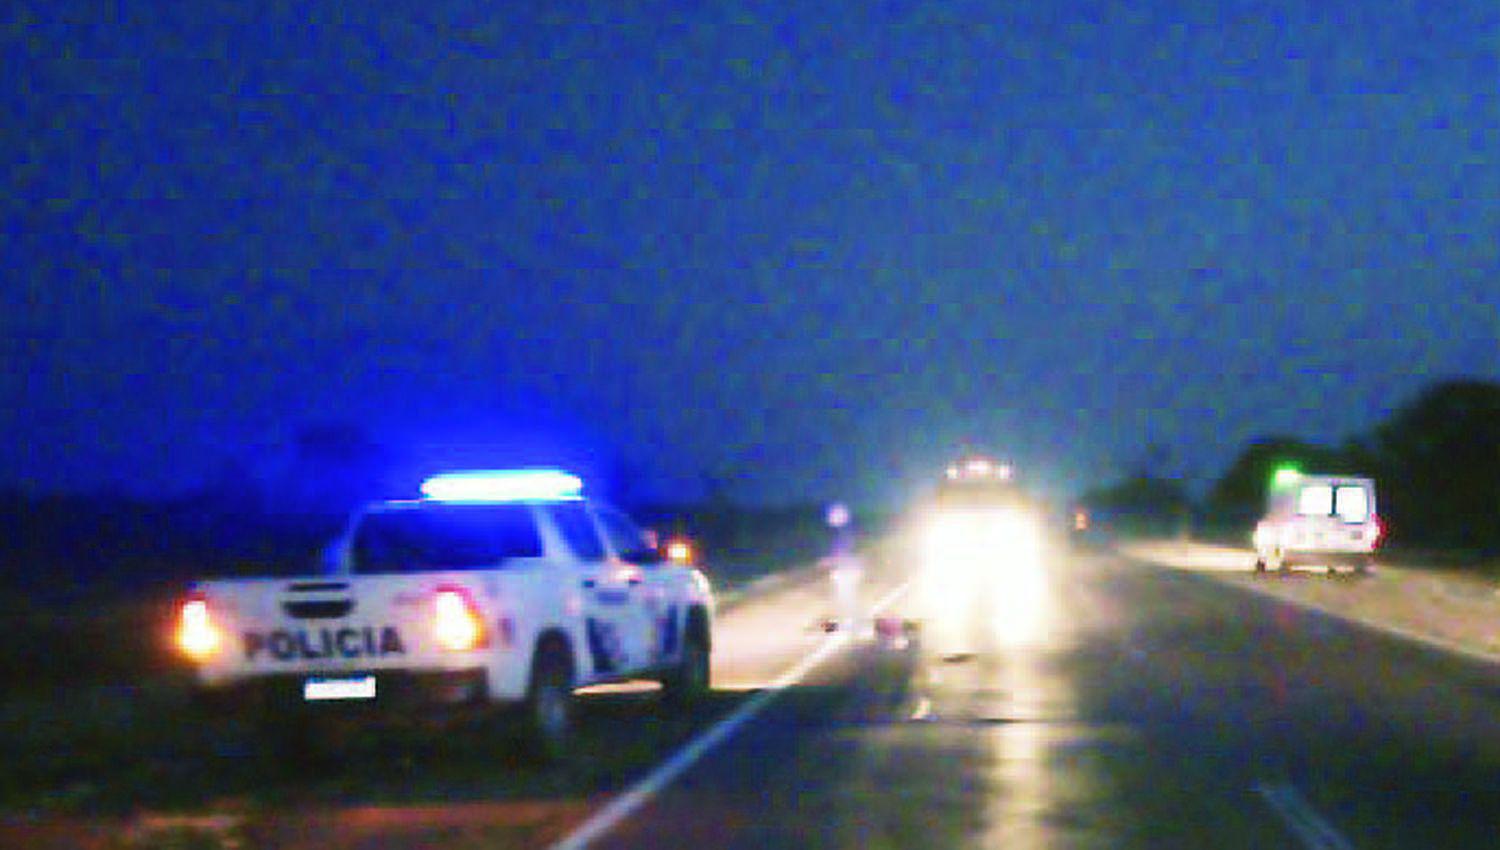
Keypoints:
pixel 1122 706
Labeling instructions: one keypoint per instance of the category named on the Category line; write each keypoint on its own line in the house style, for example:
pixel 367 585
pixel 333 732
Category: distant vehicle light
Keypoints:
pixel 1005 472
pixel 979 467
pixel 456 624
pixel 953 473
pixel 197 636
pixel 506 485
pixel 1286 476
pixel 1080 520
pixel 680 551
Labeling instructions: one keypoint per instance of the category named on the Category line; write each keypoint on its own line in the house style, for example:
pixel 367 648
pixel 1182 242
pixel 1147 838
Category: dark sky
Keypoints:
pixel 810 244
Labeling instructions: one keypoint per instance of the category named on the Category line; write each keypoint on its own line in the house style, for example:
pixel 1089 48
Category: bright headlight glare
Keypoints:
pixel 980 536
pixel 196 635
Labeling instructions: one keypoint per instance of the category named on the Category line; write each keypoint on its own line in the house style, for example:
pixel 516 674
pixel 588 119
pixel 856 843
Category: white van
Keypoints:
pixel 1318 519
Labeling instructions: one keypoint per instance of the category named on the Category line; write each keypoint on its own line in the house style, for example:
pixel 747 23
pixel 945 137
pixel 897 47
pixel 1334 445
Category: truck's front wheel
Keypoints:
pixel 688 682
pixel 549 702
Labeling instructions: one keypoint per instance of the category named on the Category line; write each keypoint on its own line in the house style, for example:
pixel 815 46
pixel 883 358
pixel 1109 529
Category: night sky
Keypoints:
pixel 807 246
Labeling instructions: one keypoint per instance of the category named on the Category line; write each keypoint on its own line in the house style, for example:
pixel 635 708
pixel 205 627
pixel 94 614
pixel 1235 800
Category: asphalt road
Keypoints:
pixel 1103 703
pixel 1122 705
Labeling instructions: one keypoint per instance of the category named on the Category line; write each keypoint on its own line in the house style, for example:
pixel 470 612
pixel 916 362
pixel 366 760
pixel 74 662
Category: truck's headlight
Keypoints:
pixel 456 624
pixel 197 636
pixel 968 545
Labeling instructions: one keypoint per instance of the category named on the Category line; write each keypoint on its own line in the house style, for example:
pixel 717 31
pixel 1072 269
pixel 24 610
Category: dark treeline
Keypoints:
pixel 1436 461
pixel 70 548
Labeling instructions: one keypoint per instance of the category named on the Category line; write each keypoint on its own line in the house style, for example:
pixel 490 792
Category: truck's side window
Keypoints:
pixel 626 539
pixel 577 529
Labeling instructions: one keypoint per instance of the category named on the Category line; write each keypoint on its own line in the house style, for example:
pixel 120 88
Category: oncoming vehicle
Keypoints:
pixel 979 554
pixel 1318 519
pixel 494 588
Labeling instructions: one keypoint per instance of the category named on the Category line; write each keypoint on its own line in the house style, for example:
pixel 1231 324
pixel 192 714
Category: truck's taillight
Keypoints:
pixel 456 623
pixel 1378 535
pixel 197 636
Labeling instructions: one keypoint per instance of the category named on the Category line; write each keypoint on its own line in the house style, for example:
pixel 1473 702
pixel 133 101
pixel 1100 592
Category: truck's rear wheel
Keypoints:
pixel 549 703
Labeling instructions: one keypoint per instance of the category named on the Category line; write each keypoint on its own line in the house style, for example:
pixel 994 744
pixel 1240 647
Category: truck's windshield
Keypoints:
pixel 430 537
pixel 988 494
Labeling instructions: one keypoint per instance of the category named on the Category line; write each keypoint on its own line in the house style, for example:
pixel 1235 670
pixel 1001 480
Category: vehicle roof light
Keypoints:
pixel 504 485
pixel 1286 476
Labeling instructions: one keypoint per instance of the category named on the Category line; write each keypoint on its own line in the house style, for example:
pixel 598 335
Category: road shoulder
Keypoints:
pixel 1442 609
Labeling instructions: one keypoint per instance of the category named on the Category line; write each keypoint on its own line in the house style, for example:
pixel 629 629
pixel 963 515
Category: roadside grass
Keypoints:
pixel 113 751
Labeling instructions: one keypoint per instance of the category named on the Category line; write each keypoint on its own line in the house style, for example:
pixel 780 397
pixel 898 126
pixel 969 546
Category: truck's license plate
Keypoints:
pixel 362 687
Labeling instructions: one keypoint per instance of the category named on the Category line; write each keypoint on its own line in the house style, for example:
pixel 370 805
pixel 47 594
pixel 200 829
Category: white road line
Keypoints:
pixel 607 818
pixel 1315 832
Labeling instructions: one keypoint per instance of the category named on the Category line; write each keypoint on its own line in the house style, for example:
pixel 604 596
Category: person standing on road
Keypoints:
pixel 846 571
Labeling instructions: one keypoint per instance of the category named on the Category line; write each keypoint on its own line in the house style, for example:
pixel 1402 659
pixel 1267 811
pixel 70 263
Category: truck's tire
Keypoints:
pixel 549 702
pixel 688 682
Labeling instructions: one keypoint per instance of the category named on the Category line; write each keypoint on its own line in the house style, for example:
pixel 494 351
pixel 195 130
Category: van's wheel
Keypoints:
pixel 549 703
pixel 1260 564
pixel 689 680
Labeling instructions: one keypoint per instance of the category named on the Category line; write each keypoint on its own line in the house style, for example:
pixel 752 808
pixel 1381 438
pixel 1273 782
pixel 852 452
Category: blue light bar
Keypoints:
pixel 504 485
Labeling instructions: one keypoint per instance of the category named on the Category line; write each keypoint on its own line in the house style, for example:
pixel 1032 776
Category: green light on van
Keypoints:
pixel 1285 476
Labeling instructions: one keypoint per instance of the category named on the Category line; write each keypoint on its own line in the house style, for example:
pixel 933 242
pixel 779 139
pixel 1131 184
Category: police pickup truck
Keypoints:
pixel 494 588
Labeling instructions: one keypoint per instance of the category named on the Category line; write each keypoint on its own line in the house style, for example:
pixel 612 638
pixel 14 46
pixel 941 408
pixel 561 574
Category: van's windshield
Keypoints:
pixel 444 536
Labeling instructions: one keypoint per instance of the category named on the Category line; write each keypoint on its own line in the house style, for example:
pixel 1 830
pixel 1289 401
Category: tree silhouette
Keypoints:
pixel 1439 459
pixel 1240 494
pixel 335 466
